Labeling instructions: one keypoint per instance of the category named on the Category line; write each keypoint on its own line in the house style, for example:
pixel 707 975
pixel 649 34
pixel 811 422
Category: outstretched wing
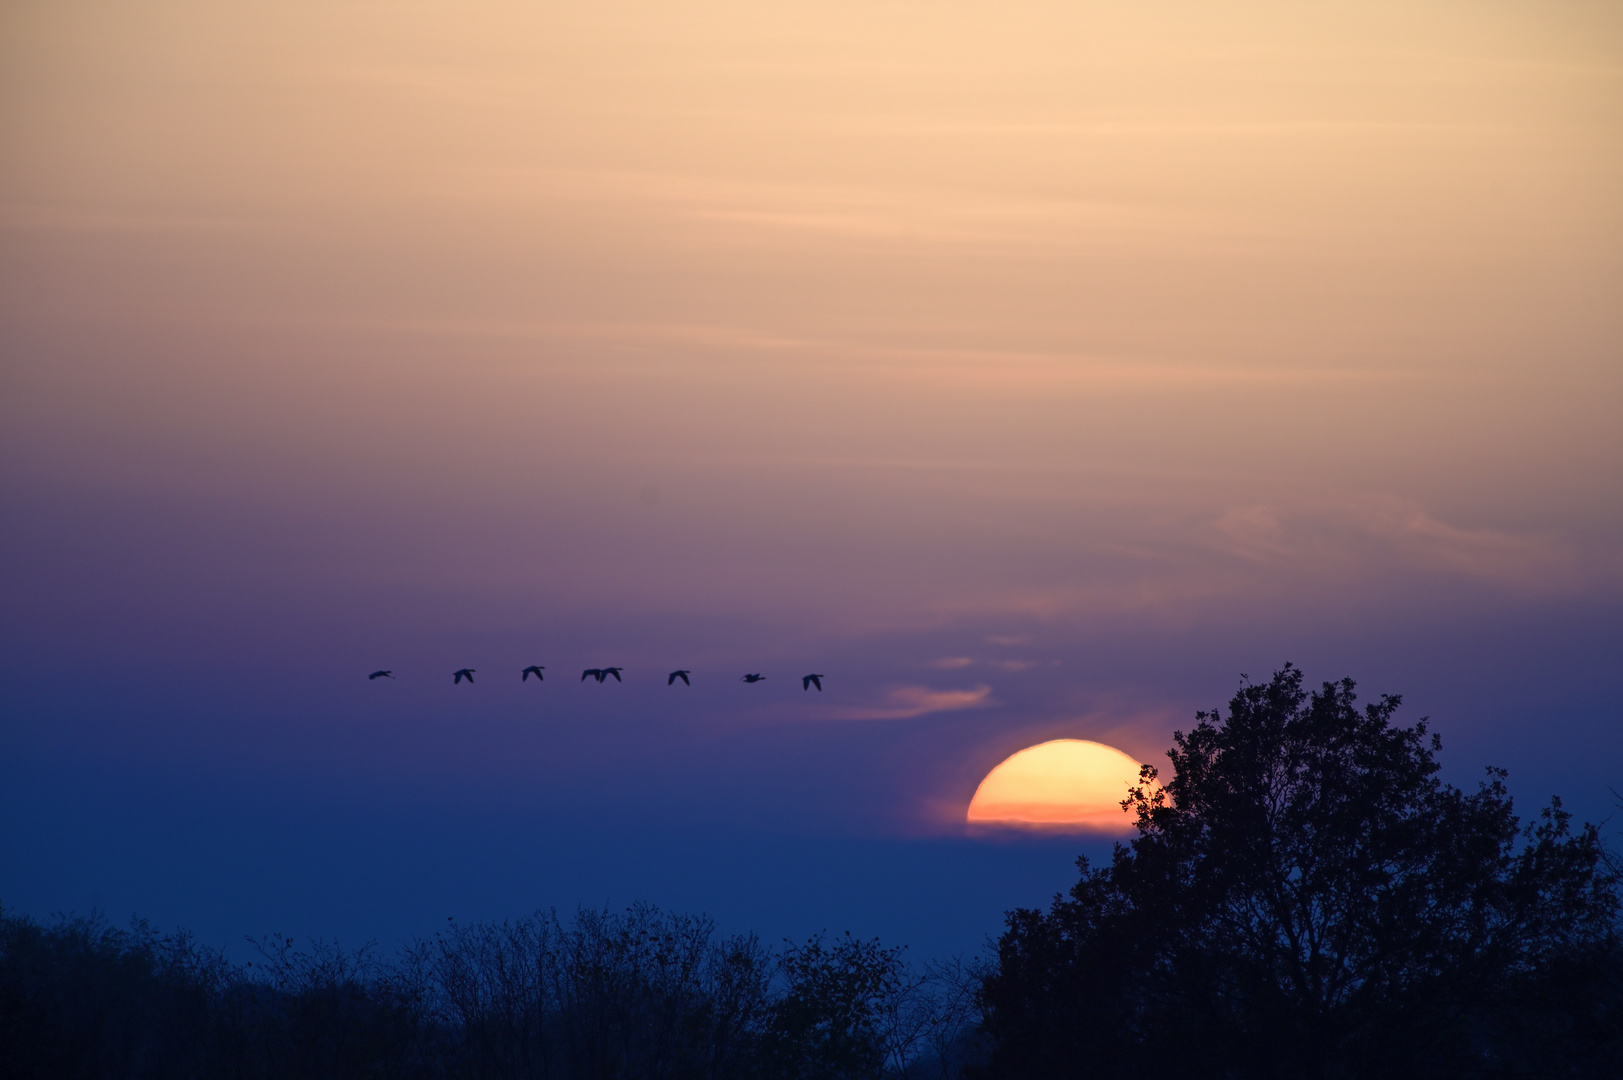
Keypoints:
pixel 589 672
pixel 615 672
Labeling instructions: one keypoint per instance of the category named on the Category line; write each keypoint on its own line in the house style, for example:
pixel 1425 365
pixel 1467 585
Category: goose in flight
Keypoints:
pixel 380 675
pixel 683 673
pixel 610 671
pixel 751 678
pixel 464 673
pixel 534 669
pixel 809 681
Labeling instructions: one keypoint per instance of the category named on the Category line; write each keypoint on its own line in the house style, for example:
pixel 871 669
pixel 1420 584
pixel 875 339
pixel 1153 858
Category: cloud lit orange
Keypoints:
pixel 1066 783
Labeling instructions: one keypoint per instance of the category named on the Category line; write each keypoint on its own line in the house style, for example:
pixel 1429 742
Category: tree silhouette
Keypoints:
pixel 1306 898
pixel 635 995
pixel 826 1025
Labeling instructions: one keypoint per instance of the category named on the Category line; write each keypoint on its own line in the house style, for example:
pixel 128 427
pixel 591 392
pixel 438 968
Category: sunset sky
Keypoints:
pixel 1031 370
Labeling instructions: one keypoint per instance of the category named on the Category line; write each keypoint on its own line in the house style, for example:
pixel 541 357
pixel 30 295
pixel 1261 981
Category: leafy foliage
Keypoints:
pixel 1305 897
pixel 825 1024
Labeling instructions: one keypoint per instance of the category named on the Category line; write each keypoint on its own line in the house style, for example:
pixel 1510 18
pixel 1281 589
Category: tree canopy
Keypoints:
pixel 1306 898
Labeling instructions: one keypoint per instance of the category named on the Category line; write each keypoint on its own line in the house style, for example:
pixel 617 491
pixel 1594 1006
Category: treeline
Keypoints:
pixel 639 993
pixel 1305 899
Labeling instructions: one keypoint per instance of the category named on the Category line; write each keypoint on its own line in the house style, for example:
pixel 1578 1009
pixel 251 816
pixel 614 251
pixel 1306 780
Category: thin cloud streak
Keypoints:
pixel 1005 369
pixel 1371 531
pixel 907 702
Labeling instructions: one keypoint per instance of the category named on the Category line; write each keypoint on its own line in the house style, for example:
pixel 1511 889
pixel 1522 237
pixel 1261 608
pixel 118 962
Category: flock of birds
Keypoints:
pixel 602 673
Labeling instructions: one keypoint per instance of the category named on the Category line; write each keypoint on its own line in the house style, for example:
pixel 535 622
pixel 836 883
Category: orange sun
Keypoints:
pixel 1066 783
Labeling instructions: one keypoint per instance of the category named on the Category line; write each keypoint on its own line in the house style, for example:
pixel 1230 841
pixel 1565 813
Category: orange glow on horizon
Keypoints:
pixel 1065 783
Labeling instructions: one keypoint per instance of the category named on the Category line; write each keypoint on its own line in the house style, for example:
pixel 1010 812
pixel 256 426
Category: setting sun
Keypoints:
pixel 1066 783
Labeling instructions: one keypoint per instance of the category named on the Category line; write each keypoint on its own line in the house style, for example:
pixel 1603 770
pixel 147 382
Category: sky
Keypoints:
pixel 1030 370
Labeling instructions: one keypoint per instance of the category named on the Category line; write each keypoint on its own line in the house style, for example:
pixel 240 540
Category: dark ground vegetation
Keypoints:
pixel 641 993
pixel 1304 899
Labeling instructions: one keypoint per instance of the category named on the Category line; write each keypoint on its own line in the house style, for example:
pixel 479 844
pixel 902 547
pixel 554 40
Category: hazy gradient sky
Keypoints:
pixel 1032 370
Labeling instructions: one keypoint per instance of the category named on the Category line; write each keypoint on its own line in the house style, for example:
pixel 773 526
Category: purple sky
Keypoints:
pixel 1031 377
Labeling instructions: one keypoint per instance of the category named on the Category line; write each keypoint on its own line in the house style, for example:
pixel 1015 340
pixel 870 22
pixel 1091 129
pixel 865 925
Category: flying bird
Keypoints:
pixel 751 678
pixel 592 673
pixel 534 669
pixel 670 680
pixel 381 675
pixel 809 681
pixel 458 676
pixel 610 671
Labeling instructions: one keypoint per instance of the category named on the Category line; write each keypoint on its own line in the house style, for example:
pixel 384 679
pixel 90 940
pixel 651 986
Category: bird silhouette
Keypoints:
pixel 610 671
pixel 809 681
pixel 458 676
pixel 670 680
pixel 380 675
pixel 751 678
pixel 534 669
pixel 592 673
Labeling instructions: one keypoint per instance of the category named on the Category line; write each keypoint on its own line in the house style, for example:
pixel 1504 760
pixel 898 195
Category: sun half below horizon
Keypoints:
pixel 1064 783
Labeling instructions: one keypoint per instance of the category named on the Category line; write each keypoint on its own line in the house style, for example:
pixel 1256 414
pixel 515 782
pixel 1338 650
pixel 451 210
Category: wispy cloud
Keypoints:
pixel 951 663
pixel 1259 555
pixel 906 702
pixel 1523 559
pixel 1380 529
